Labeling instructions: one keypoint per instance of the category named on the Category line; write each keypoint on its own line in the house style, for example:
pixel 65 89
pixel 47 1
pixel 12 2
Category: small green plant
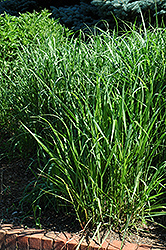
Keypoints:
pixel 37 215
pixel 29 29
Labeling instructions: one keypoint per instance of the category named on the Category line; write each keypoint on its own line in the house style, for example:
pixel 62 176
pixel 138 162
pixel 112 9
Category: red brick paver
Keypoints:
pixel 11 237
pixel 35 241
pixel 18 238
pixel 2 238
pixel 22 242
pixel 47 243
pixel 130 246
pixel 116 243
pixel 144 247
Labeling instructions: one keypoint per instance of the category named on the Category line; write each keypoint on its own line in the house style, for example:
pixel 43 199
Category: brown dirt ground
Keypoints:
pixel 16 175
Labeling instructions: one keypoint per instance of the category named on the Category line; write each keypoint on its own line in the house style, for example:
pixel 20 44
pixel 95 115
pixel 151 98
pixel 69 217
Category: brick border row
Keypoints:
pixel 18 238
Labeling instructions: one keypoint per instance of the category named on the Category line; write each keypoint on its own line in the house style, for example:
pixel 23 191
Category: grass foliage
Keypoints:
pixel 29 29
pixel 97 109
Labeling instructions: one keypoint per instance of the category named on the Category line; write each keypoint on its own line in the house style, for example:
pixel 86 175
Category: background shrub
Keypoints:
pixel 130 10
pixel 29 29
pixel 127 10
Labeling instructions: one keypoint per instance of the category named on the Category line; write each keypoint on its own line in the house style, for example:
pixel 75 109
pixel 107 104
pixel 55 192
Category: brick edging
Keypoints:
pixel 18 238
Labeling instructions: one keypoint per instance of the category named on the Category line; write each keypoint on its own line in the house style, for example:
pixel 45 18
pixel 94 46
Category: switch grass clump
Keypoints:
pixel 96 108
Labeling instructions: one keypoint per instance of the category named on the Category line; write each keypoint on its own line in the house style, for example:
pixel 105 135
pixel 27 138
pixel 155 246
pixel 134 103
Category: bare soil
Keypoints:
pixel 15 176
